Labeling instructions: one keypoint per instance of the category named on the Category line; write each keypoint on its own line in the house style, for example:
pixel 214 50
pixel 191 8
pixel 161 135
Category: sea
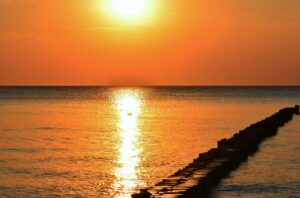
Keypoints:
pixel 112 141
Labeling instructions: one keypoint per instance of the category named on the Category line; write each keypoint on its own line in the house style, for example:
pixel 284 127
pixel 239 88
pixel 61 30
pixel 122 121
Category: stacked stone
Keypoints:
pixel 200 176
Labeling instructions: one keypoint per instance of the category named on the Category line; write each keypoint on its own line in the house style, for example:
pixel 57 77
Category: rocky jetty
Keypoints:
pixel 199 177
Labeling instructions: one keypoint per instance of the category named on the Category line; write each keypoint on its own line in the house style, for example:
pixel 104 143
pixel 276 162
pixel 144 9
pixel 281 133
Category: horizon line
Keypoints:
pixel 137 86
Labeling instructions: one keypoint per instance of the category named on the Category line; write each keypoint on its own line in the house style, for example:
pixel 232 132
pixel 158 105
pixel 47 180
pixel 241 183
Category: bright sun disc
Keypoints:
pixel 128 7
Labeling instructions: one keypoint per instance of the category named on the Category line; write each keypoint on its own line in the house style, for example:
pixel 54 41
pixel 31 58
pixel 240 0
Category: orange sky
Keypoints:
pixel 193 42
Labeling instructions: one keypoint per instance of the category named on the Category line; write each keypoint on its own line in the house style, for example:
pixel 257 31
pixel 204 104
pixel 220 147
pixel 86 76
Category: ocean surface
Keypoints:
pixel 109 142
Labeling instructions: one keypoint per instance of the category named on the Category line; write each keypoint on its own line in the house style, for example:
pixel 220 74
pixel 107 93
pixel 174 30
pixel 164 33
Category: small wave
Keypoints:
pixel 17 171
pixel 256 188
pixel 58 149
pixel 10 129
pixel 50 129
pixel 37 172
pixel 20 150
pixel 54 174
pixel 39 129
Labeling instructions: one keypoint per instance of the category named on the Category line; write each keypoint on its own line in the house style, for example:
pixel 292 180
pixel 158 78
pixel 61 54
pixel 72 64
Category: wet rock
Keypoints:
pixel 142 194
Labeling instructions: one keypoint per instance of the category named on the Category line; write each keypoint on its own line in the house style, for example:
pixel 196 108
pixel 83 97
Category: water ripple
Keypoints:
pixel 21 150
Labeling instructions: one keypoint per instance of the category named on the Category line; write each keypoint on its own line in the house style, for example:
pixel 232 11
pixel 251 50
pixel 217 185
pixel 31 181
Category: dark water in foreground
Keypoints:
pixel 108 142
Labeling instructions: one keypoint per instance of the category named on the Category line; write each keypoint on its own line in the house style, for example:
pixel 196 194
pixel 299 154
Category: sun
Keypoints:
pixel 128 8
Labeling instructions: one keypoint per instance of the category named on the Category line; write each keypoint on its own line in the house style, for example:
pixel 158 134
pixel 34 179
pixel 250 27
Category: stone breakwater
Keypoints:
pixel 199 177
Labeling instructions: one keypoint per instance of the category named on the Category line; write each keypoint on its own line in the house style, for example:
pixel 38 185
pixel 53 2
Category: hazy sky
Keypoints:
pixel 175 42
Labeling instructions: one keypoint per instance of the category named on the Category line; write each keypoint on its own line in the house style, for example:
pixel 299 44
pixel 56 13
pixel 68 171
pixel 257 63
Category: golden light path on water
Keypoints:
pixel 128 107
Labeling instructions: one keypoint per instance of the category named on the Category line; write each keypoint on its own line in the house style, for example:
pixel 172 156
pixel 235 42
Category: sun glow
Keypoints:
pixel 128 8
pixel 130 12
pixel 128 109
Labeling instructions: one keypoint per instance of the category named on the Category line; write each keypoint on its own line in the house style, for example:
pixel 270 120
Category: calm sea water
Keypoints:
pixel 109 142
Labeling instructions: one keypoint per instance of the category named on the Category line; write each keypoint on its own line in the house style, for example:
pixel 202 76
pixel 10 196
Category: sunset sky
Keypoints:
pixel 168 42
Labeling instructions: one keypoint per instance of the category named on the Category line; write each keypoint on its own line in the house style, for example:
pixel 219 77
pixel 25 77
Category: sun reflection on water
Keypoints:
pixel 128 107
